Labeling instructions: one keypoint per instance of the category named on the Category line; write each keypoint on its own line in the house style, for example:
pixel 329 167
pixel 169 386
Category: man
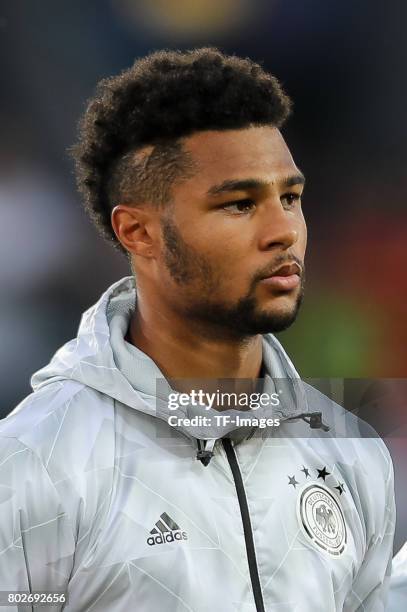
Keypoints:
pixel 116 490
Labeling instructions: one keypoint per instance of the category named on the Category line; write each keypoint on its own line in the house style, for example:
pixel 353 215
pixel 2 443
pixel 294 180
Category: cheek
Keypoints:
pixel 212 249
pixel 218 268
pixel 305 238
pixel 302 234
pixel 227 258
pixel 224 255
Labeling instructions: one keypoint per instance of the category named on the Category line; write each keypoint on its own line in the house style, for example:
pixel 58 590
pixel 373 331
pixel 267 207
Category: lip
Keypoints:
pixel 286 277
pixel 282 282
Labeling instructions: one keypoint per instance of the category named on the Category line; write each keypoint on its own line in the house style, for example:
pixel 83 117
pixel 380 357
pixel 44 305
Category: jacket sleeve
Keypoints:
pixel 371 584
pixel 36 538
pixel 398 582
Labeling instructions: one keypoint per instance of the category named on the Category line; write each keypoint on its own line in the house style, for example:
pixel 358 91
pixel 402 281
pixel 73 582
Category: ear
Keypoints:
pixel 134 228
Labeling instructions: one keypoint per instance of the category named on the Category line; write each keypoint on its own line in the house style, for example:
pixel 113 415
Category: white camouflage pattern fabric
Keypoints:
pixel 90 470
pixel 398 583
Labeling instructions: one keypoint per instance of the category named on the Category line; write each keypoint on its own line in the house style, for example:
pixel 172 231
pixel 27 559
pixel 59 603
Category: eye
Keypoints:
pixel 239 206
pixel 291 198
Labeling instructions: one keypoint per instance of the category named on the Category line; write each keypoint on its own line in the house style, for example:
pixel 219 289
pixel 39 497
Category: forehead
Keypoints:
pixel 259 152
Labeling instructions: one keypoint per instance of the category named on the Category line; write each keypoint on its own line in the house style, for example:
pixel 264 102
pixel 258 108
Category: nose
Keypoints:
pixel 280 228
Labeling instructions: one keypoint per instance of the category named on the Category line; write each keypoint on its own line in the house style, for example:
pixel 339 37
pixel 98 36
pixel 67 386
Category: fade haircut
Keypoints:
pixel 129 148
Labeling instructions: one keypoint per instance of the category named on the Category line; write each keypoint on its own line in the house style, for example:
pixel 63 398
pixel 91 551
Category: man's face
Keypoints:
pixel 231 225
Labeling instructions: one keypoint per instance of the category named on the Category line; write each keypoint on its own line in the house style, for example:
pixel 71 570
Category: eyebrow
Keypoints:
pixel 253 183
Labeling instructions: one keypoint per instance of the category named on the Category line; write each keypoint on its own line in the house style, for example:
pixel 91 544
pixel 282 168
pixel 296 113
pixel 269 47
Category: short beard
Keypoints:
pixel 216 319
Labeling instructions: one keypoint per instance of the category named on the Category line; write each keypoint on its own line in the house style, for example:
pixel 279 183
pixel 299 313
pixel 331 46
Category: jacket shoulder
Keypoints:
pixel 60 422
pixel 69 428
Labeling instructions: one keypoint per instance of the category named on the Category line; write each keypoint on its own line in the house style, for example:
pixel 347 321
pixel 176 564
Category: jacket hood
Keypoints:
pixel 90 359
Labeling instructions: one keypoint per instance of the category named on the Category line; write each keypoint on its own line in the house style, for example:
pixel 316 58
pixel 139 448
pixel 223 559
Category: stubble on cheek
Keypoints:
pixel 187 267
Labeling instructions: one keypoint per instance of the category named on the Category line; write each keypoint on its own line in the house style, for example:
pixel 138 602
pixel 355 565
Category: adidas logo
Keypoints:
pixel 165 530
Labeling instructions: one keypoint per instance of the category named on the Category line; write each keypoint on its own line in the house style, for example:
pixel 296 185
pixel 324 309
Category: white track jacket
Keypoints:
pixel 103 500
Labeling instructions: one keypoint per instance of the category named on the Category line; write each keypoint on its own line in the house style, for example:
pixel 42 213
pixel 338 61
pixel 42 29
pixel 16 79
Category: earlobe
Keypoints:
pixel 132 227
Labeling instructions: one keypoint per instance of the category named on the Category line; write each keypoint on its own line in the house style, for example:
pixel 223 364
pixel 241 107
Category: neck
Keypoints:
pixel 182 351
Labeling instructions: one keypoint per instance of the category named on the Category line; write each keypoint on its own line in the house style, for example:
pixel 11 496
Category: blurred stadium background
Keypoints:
pixel 345 66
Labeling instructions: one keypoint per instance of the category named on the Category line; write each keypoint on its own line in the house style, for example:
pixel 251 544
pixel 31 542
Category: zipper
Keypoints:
pixel 247 526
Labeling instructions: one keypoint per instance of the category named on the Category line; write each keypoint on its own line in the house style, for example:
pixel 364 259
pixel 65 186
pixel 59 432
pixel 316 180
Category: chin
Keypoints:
pixel 277 324
pixel 277 319
pixel 283 306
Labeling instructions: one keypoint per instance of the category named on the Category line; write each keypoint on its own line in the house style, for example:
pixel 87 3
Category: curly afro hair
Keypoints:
pixel 162 98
